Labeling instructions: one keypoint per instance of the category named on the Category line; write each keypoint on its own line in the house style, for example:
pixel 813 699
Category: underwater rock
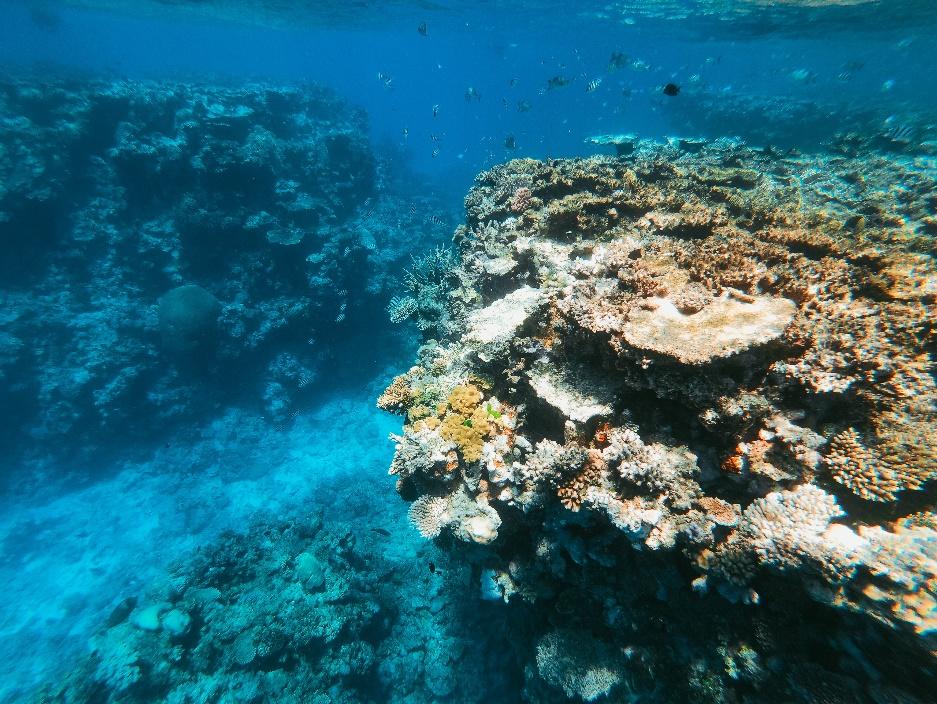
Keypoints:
pixel 700 389
pixel 188 319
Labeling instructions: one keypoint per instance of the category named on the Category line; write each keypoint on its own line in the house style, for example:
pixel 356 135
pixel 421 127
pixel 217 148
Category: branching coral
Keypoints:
pixel 398 396
pixel 429 515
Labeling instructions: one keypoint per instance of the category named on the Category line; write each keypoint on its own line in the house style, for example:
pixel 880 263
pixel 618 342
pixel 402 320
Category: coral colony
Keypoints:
pixel 678 384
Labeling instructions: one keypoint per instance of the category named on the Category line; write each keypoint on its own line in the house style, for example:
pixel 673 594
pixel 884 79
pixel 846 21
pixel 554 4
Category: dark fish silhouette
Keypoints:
pixel 671 89
pixel 557 82
pixel 616 61
pixel 523 106
pixel 432 566
pixel 422 29
pixel 509 142
pixel 381 531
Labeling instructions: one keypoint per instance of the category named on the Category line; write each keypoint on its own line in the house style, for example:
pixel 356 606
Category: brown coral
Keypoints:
pixel 398 396
pixel 859 469
pixel 467 432
pixel 465 399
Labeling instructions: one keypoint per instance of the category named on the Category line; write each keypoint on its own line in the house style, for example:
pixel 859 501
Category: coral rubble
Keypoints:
pixel 685 396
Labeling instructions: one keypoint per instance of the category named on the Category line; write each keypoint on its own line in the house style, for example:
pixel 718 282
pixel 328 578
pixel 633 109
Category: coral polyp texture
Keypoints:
pixel 689 395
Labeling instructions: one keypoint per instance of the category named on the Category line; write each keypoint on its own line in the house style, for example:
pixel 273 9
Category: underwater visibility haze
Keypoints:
pixel 474 352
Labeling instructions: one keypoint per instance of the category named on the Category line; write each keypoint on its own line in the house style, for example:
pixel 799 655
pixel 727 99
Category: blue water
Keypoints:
pixel 104 491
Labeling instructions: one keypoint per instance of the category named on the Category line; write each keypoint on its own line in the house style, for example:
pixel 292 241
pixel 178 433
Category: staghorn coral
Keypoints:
pixel 397 397
pixel 705 365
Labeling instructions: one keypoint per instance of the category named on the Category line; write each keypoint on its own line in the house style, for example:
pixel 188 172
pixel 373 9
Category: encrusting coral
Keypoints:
pixel 692 363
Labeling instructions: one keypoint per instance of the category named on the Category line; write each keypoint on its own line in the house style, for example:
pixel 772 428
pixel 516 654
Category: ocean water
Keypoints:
pixel 228 227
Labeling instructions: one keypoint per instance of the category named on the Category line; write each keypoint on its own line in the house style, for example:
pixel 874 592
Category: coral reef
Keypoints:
pixel 162 238
pixel 708 384
pixel 293 610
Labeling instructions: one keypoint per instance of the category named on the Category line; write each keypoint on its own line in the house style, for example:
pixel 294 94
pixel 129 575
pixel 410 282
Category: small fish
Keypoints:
pixel 435 110
pixel 472 94
pixel 434 137
pixel 902 134
pixel 422 29
pixel 509 142
pixel 671 89
pixel 432 567
pixel 386 80
pixel 888 85
pixel 512 82
pixel 523 106
pixel 617 61
pixel 436 220
pixel 435 153
pixel 640 65
pixel 803 75
pixel 381 531
pixel 557 82
pixel 844 76
pixel 406 133
pixel 593 85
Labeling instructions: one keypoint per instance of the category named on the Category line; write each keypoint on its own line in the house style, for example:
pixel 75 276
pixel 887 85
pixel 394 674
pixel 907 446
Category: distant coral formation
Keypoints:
pixel 147 223
pixel 307 610
pixel 686 397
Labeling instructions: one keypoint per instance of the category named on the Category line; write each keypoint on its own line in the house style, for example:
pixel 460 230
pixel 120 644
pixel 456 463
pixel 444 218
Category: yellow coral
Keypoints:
pixel 467 432
pixel 418 413
pixel 430 423
pixel 464 399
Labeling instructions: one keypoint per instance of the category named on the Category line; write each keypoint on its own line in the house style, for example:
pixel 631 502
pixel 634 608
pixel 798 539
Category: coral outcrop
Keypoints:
pixel 695 396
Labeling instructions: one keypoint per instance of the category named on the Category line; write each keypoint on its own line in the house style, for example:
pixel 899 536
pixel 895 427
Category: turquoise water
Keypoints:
pixel 207 211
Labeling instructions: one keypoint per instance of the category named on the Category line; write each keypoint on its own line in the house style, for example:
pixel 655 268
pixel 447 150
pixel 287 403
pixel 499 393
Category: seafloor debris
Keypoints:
pixel 691 368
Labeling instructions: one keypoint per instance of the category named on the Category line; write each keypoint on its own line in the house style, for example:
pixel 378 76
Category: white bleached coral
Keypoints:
pixel 491 329
pixel 471 520
pixel 580 665
pixel 725 327
pixel 429 515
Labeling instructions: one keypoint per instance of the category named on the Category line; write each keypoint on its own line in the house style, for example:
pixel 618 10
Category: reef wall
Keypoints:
pixel 685 412
pixel 171 246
